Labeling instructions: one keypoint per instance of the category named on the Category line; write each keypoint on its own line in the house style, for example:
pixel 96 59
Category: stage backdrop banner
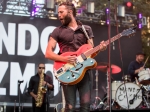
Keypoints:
pixel 23 44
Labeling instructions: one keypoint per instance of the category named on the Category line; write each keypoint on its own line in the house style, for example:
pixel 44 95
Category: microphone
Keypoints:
pixel 20 81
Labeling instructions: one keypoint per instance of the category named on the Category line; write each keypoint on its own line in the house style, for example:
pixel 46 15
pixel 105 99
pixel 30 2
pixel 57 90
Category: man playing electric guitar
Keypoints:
pixel 70 38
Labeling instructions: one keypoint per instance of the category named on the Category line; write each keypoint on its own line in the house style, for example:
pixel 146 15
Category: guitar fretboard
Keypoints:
pixel 97 48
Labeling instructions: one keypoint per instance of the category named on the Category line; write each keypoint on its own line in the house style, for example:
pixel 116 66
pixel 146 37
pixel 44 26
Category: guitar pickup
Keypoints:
pixel 59 71
pixel 83 56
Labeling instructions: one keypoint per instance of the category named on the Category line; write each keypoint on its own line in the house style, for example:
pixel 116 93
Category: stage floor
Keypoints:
pixel 29 109
pixel 135 110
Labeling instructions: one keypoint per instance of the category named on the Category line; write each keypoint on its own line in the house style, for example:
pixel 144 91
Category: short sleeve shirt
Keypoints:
pixel 70 40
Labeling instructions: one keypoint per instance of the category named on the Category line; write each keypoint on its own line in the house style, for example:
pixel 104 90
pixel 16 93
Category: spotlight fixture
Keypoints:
pixel 139 20
pixel 107 11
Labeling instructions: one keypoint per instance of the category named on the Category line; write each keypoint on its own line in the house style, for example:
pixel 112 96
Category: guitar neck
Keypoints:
pixel 97 48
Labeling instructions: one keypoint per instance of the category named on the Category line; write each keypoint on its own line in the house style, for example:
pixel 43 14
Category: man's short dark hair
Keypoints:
pixel 41 63
pixel 140 53
pixel 69 6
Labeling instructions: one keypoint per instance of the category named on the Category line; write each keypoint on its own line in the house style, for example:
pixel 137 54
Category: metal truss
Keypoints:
pixel 22 8
pixel 100 17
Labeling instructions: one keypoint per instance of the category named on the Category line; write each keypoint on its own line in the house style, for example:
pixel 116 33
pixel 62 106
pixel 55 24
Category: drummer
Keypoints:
pixel 136 66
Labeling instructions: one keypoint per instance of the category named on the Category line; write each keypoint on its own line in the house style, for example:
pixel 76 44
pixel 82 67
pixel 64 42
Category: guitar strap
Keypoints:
pixel 83 28
pixel 88 38
pixel 90 71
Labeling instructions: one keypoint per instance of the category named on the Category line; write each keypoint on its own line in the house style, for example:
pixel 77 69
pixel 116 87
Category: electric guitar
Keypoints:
pixel 71 74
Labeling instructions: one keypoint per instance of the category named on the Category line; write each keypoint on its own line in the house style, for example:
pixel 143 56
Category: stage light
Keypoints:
pixel 90 7
pixel 50 4
pixel 107 11
pixel 79 11
pixel 128 7
pixel 37 9
pixel 76 3
pixel 56 9
pixel 139 20
pixel 129 4
pixel 121 11
pixel 32 10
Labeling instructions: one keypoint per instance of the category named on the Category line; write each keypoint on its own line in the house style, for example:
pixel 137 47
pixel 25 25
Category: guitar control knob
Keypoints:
pixel 74 77
pixel 68 77
pixel 91 61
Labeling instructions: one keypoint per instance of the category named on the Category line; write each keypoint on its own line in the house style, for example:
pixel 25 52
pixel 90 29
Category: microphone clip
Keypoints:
pixel 20 81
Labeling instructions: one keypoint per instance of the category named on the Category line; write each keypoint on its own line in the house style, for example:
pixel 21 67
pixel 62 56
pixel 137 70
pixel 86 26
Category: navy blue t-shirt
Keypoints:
pixel 131 69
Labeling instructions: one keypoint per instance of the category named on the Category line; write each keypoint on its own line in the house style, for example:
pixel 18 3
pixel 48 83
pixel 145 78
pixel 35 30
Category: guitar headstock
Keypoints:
pixel 129 32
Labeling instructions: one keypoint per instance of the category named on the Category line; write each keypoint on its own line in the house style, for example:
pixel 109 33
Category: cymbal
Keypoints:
pixel 103 66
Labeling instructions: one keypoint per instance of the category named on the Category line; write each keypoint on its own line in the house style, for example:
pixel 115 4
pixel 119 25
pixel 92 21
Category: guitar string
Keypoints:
pixel 98 47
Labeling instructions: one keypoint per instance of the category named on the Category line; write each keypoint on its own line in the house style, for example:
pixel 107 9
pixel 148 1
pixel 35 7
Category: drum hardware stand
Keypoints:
pixel 113 103
pixel 146 102
pixel 131 101
pixel 148 96
pixel 107 97
pixel 108 91
pixel 141 88
pixel 96 105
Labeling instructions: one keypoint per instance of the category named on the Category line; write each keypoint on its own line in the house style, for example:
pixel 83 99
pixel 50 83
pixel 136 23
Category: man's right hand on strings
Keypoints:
pixel 70 59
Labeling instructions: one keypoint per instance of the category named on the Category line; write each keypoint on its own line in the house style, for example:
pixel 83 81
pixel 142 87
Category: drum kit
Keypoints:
pixel 126 94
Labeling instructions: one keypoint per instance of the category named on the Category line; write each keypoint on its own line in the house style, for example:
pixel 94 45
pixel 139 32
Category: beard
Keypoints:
pixel 140 60
pixel 67 20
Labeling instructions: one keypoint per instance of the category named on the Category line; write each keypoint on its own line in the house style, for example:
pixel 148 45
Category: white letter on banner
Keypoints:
pixel 9 40
pixel 49 67
pixel 34 44
pixel 4 67
pixel 44 39
pixel 15 75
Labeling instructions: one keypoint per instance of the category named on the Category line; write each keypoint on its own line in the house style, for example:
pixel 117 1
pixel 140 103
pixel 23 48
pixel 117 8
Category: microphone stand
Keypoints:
pixel 109 66
pixel 46 108
pixel 19 83
pixel 15 106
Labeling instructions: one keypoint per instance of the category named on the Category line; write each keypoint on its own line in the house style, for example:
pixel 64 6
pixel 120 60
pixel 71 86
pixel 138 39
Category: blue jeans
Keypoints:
pixel 83 88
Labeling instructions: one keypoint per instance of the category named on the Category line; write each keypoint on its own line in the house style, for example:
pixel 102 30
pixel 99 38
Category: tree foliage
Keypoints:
pixel 139 6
